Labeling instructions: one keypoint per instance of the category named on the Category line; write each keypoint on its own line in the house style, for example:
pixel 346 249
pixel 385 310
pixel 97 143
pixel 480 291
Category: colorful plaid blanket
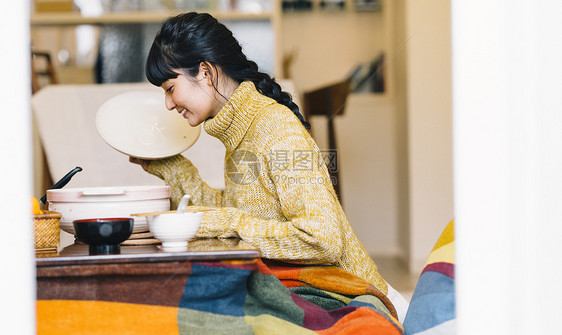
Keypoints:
pixel 432 308
pixel 236 298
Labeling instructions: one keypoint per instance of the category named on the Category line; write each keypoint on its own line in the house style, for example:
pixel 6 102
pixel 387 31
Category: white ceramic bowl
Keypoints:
pixel 108 202
pixel 138 124
pixel 174 230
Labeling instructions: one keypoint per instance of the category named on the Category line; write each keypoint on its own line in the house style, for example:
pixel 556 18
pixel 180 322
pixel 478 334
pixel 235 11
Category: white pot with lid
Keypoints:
pixel 108 202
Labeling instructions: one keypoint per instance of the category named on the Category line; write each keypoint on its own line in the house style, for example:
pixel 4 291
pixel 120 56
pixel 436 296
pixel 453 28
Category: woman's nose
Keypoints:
pixel 170 105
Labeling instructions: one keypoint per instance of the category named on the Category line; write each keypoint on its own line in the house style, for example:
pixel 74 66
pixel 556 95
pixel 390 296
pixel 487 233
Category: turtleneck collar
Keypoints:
pixel 233 120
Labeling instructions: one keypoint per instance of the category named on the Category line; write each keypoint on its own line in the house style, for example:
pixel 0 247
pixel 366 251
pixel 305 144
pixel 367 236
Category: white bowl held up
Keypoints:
pixel 137 124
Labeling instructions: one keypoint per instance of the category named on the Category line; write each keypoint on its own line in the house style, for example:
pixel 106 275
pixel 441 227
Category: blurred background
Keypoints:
pixel 394 141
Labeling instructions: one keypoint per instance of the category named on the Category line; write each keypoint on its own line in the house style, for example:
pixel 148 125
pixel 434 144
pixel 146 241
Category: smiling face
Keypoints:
pixel 193 97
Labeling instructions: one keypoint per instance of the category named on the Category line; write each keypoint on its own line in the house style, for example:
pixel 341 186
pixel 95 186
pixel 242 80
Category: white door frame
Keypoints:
pixel 17 256
pixel 507 130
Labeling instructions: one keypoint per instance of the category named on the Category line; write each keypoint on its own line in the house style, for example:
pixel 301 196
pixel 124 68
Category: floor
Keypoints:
pixel 397 275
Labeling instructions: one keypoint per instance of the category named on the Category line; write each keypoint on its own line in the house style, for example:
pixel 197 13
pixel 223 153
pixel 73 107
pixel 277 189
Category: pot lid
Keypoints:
pixel 113 193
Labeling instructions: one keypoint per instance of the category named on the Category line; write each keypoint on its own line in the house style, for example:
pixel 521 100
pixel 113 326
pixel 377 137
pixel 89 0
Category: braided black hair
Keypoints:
pixel 186 40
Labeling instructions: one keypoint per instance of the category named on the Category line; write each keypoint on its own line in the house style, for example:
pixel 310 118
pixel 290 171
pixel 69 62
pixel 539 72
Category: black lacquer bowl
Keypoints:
pixel 104 236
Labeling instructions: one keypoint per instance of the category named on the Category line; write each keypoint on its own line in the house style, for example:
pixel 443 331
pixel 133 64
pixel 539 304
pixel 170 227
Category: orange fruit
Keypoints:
pixel 35 206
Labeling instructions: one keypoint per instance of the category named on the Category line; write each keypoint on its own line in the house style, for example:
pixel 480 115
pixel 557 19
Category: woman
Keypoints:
pixel 278 195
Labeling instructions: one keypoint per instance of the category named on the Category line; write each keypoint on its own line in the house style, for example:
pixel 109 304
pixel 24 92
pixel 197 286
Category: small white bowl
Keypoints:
pixel 174 230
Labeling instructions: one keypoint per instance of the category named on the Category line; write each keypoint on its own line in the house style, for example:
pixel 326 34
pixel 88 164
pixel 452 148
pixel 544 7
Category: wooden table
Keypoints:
pixel 140 274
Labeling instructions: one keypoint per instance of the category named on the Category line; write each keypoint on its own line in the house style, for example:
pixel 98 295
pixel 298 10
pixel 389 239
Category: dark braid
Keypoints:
pixel 267 86
pixel 186 40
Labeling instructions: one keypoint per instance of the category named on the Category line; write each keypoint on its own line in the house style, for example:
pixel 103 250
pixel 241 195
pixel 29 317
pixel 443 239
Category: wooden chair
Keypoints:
pixel 41 67
pixel 329 101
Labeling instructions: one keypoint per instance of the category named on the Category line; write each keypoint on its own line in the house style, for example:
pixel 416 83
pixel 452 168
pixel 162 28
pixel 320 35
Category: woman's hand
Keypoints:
pixel 144 163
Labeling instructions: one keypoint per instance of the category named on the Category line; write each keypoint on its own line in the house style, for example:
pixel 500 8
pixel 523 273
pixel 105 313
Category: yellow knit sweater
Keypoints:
pixel 278 195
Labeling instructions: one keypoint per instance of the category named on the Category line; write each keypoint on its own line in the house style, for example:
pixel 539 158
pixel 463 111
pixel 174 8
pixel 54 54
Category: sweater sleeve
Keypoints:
pixel 299 240
pixel 183 178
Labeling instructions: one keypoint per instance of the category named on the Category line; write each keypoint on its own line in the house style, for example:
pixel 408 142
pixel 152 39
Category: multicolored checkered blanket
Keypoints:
pixel 432 308
pixel 237 298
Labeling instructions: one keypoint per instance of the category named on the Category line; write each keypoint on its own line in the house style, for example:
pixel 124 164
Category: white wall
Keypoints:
pixel 400 94
pixel 429 125
pixel 17 273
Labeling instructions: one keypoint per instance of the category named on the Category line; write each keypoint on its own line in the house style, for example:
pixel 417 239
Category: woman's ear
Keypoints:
pixel 205 73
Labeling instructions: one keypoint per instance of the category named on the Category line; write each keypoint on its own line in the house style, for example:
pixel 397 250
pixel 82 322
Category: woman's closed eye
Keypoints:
pixel 169 89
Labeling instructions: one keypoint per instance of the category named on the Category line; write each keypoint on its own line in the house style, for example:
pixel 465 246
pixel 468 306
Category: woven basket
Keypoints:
pixel 47 234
